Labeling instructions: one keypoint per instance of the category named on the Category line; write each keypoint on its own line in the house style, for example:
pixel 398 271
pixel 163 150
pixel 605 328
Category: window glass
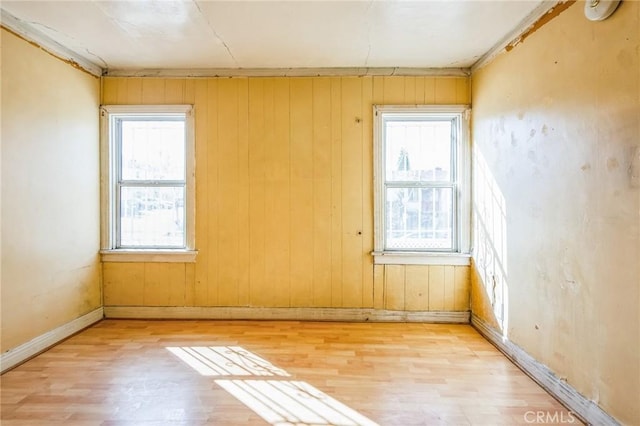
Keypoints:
pixel 152 216
pixel 418 150
pixel 420 182
pixel 153 149
pixel 419 218
pixel 148 180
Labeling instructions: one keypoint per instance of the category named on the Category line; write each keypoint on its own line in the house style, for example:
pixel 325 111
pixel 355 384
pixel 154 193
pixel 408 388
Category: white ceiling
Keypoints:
pixel 203 34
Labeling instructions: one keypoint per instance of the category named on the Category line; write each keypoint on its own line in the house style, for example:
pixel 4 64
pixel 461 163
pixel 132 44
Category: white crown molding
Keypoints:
pixel 31 34
pixel 288 72
pixel 33 347
pixel 511 38
pixel 579 405
pixel 292 314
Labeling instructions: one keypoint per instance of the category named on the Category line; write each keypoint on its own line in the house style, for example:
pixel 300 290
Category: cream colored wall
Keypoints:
pixel 50 192
pixel 557 221
pixel 284 197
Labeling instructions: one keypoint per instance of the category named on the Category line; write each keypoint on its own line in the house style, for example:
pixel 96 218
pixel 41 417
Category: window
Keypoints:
pixel 421 187
pixel 148 188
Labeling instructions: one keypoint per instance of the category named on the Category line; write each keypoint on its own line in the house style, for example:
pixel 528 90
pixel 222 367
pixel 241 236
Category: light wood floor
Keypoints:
pixel 122 372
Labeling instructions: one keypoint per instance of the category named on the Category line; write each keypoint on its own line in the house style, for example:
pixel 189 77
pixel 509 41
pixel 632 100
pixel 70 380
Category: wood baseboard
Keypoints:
pixel 584 408
pixel 33 347
pixel 295 314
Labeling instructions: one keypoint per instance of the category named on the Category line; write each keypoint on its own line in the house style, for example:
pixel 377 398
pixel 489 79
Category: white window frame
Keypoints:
pixel 109 160
pixel 460 255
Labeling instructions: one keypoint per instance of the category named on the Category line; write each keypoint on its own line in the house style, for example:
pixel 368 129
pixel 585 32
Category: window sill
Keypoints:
pixel 161 256
pixel 420 258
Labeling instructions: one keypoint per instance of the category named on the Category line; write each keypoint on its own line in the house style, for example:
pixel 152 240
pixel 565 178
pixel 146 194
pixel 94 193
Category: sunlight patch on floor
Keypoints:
pixel 226 361
pixel 277 400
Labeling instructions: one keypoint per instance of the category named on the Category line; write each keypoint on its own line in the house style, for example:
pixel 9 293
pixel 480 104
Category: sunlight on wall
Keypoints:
pixel 278 401
pixel 490 239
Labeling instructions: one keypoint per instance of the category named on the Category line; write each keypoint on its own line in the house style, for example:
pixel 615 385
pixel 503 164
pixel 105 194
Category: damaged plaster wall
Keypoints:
pixel 556 210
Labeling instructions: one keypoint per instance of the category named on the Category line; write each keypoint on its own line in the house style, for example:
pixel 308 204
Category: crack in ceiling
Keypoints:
pixel 215 33
pixel 398 36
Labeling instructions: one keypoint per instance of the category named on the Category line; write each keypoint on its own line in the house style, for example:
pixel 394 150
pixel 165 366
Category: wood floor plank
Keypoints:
pixel 123 372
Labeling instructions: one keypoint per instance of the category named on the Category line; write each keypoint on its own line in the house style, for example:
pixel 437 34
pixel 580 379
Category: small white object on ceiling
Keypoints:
pixel 599 10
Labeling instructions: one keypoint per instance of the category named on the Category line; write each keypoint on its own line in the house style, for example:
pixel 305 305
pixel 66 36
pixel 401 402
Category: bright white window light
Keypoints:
pixel 151 182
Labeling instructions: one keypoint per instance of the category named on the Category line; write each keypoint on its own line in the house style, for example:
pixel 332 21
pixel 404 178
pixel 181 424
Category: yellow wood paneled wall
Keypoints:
pixel 421 288
pixel 284 196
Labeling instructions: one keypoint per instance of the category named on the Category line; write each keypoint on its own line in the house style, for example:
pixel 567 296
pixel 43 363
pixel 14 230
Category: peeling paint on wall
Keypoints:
pixel 552 13
pixel 71 62
pixel 571 209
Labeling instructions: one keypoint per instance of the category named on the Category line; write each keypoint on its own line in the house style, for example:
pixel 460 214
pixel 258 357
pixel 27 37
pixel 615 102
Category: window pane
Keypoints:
pixel 419 218
pixel 418 151
pixel 152 217
pixel 153 150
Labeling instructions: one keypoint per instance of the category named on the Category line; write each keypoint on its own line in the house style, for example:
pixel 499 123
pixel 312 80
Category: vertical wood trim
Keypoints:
pixel 123 283
pixel 367 191
pixel 190 282
pixel 336 192
pixel 429 90
pixel 462 288
pixel 282 197
pixel 156 284
pixel 174 91
pixel 395 290
pixel 378 90
pixel 123 90
pixel 227 195
pixel 410 91
pixel 436 288
pixel 394 90
pixel 419 89
pixel 322 191
pixel 201 268
pixel 213 155
pixel 190 91
pixel 244 259
pixel 134 91
pixel 352 191
pixel 449 288
pixel 463 92
pixel 416 287
pixel 445 91
pixel 257 230
pixel 152 91
pixel 301 225
pixel 378 286
pixel 176 283
pixel 109 91
pixel 273 178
